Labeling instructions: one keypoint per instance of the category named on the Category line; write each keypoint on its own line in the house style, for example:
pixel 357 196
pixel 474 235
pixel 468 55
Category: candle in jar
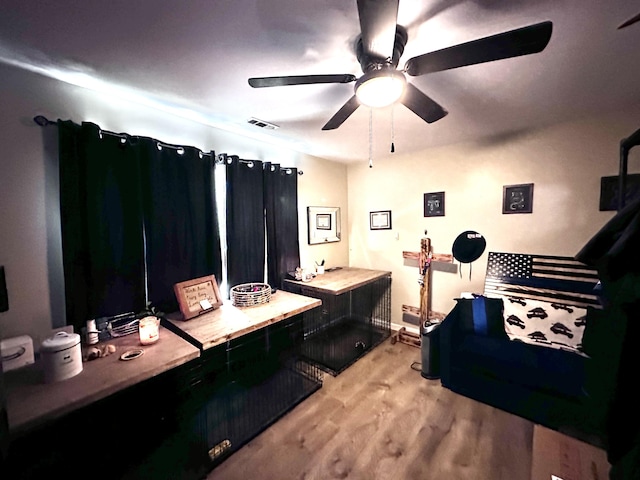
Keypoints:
pixel 148 330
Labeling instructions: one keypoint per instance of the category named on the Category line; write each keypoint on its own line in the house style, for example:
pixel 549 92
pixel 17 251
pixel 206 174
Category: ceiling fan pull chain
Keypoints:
pixel 370 137
pixel 393 132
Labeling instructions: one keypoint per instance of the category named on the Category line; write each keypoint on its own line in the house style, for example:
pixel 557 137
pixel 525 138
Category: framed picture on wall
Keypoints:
pixel 609 189
pixel 380 220
pixel 434 204
pixel 323 221
pixel 323 224
pixel 517 198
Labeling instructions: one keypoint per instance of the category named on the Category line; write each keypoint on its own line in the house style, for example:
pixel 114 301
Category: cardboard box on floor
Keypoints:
pixel 560 457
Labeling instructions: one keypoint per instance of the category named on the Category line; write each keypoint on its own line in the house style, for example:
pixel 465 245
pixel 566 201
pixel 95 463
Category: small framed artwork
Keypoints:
pixel 517 198
pixel 380 220
pixel 323 224
pixel 434 204
pixel 323 221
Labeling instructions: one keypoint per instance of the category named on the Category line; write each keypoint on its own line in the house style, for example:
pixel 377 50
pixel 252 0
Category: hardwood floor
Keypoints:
pixel 380 419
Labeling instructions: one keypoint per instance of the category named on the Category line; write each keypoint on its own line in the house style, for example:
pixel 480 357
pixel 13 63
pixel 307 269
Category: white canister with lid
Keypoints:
pixel 61 356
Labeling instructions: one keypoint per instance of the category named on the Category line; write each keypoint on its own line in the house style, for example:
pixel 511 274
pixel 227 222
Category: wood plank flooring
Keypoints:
pixel 380 419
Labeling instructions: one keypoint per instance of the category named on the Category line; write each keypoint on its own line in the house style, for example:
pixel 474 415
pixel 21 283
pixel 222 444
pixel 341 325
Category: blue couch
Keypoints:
pixel 544 385
pixel 549 386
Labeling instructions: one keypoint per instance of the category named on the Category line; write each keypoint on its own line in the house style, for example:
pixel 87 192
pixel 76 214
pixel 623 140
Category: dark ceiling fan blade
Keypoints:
pixel 631 21
pixel 341 115
pixel 514 43
pixel 422 105
pixel 378 20
pixel 260 82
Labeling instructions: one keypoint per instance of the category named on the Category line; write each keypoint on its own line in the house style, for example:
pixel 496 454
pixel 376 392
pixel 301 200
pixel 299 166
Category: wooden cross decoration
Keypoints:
pixel 425 257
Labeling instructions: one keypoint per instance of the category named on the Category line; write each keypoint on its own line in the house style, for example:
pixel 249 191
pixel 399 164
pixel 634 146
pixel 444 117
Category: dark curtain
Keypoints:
pixel 182 236
pixel 126 206
pixel 101 222
pixel 245 222
pixel 281 207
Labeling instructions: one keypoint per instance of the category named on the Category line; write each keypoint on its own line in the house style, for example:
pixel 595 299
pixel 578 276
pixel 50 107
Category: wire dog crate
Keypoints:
pixel 350 324
pixel 241 387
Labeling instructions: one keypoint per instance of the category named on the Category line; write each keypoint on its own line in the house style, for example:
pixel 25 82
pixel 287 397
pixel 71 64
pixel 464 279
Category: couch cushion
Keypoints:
pixel 540 368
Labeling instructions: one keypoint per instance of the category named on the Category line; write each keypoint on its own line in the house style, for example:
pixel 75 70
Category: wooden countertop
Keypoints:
pixel 31 402
pixel 342 280
pixel 228 322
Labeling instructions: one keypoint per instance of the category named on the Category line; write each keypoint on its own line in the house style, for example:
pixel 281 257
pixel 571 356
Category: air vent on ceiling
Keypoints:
pixel 262 124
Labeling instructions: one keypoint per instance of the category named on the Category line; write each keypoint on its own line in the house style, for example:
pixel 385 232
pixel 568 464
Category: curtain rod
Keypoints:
pixel 223 159
pixel 44 121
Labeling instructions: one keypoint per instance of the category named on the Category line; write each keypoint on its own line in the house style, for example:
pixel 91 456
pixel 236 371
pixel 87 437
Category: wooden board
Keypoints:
pixel 283 305
pixel 31 402
pixel 343 280
pixel 229 322
pixel 565 458
pixel 439 316
pixel 436 257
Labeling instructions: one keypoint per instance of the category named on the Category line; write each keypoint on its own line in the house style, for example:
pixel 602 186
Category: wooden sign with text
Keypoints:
pixel 197 296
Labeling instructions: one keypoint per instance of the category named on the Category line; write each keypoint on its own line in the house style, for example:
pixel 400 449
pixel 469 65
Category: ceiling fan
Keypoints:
pixel 630 21
pixel 379 48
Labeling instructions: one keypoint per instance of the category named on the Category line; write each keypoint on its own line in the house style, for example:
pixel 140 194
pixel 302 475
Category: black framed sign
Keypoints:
pixel 609 188
pixel 380 220
pixel 517 198
pixel 434 204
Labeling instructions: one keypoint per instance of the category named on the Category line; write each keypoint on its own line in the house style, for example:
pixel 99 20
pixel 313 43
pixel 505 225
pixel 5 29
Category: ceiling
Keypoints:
pixel 194 57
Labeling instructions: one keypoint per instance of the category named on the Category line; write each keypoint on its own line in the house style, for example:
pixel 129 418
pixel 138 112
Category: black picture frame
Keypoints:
pixel 434 204
pixel 380 220
pixel 517 198
pixel 323 221
pixel 609 188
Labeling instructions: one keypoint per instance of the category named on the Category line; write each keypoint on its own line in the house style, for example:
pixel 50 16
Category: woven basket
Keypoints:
pixel 248 294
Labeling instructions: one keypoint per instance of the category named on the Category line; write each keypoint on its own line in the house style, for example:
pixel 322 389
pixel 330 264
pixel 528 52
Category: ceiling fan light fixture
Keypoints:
pixel 380 88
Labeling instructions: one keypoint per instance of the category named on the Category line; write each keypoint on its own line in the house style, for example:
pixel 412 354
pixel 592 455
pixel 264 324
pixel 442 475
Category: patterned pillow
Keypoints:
pixel 544 323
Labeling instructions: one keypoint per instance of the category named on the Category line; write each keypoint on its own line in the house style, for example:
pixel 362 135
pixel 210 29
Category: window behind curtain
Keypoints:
pixel 101 222
pixel 182 239
pixel 262 199
pixel 245 222
pixel 281 207
pixel 112 193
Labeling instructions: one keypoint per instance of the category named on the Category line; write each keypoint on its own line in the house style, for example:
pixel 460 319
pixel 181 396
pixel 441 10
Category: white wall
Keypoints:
pixel 30 246
pixel 564 162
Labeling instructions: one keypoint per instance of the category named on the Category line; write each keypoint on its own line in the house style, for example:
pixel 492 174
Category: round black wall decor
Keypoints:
pixel 468 246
